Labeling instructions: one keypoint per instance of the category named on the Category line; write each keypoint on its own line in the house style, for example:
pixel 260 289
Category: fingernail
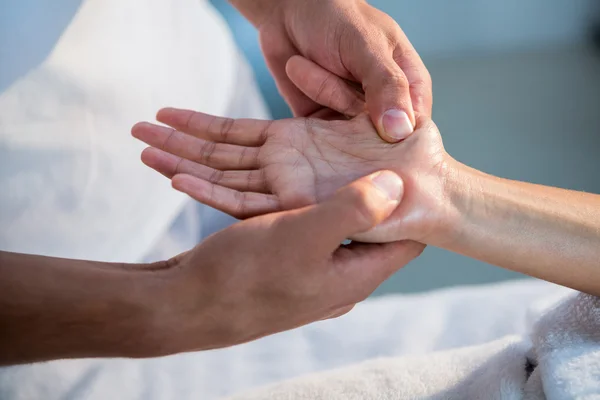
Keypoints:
pixel 389 183
pixel 396 124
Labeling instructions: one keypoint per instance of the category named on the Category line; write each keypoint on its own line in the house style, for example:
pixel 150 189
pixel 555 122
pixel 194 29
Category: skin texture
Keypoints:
pixel 247 167
pixel 355 42
pixel 210 296
pixel 250 167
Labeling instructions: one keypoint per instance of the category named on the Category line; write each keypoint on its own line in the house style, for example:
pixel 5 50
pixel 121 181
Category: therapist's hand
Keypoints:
pixel 280 271
pixel 258 277
pixel 356 42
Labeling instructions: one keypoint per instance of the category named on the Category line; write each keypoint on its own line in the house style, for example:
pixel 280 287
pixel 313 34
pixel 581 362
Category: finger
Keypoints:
pixel 277 52
pixel 387 90
pixel 240 205
pixel 160 161
pixel 355 208
pixel 170 165
pixel 366 266
pixel 324 87
pixel 216 155
pixel 418 76
pixel 388 100
pixel 242 132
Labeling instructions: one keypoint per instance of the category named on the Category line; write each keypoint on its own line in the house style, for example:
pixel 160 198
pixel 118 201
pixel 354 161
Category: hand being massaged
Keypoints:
pixel 249 167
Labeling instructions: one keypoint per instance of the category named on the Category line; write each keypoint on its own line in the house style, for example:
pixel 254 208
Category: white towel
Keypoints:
pixel 558 359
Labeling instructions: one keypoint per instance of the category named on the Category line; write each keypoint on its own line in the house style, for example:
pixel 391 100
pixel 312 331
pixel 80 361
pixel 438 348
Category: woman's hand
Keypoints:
pixel 250 167
pixel 354 41
pixel 549 233
pixel 541 231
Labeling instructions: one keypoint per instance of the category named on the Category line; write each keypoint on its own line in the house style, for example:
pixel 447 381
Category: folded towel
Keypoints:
pixel 558 359
pixel 566 347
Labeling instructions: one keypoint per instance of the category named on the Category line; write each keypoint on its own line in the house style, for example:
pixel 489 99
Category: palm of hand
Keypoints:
pixel 248 167
pixel 307 160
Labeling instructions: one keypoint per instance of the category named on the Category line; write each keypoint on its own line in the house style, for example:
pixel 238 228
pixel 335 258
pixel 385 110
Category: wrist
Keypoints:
pixel 458 195
pixel 183 312
pixel 126 321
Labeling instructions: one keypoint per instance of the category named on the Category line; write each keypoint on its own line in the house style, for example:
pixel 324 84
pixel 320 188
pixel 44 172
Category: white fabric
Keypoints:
pixel 397 325
pixel 198 221
pixel 75 75
pixel 559 358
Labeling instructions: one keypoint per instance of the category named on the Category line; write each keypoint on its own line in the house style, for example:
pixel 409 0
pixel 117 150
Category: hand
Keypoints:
pixel 280 271
pixel 257 277
pixel 354 41
pixel 249 167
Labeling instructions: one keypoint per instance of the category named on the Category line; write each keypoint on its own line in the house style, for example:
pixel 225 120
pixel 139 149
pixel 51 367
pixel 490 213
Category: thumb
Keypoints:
pixel 387 93
pixel 353 209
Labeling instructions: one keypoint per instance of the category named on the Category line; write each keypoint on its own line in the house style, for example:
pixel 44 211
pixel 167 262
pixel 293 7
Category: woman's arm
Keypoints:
pixel 545 232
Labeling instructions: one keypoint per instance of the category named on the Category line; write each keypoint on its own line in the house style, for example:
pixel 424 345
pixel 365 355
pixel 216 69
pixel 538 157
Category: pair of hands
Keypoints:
pixel 285 269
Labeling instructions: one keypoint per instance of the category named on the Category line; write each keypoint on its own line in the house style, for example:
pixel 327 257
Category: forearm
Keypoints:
pixel 54 308
pixel 545 232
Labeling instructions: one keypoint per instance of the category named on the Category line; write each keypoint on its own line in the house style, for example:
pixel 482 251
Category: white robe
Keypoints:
pixel 74 77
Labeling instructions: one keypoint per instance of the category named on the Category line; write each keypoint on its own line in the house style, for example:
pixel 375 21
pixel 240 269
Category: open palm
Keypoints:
pixel 251 167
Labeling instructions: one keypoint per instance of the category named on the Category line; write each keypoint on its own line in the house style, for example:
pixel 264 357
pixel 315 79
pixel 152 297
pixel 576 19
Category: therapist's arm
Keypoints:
pixel 255 278
pixel 57 308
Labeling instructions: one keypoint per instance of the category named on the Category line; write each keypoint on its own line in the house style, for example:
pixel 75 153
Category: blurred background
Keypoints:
pixel 516 94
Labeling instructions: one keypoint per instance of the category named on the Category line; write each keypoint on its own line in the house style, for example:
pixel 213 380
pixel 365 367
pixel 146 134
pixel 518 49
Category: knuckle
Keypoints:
pixel 189 124
pixel 353 106
pixel 240 208
pixel 242 156
pixel 361 207
pixel 207 150
pixel 393 34
pixel 426 79
pixel 254 180
pixel 216 176
pixel 165 145
pixel 226 127
pixel 325 89
pixel 394 78
pixel 423 82
pixel 179 167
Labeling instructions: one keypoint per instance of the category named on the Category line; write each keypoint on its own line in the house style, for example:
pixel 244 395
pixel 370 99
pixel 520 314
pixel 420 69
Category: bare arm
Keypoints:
pixel 253 279
pixel 546 232
pixel 552 234
pixel 56 308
